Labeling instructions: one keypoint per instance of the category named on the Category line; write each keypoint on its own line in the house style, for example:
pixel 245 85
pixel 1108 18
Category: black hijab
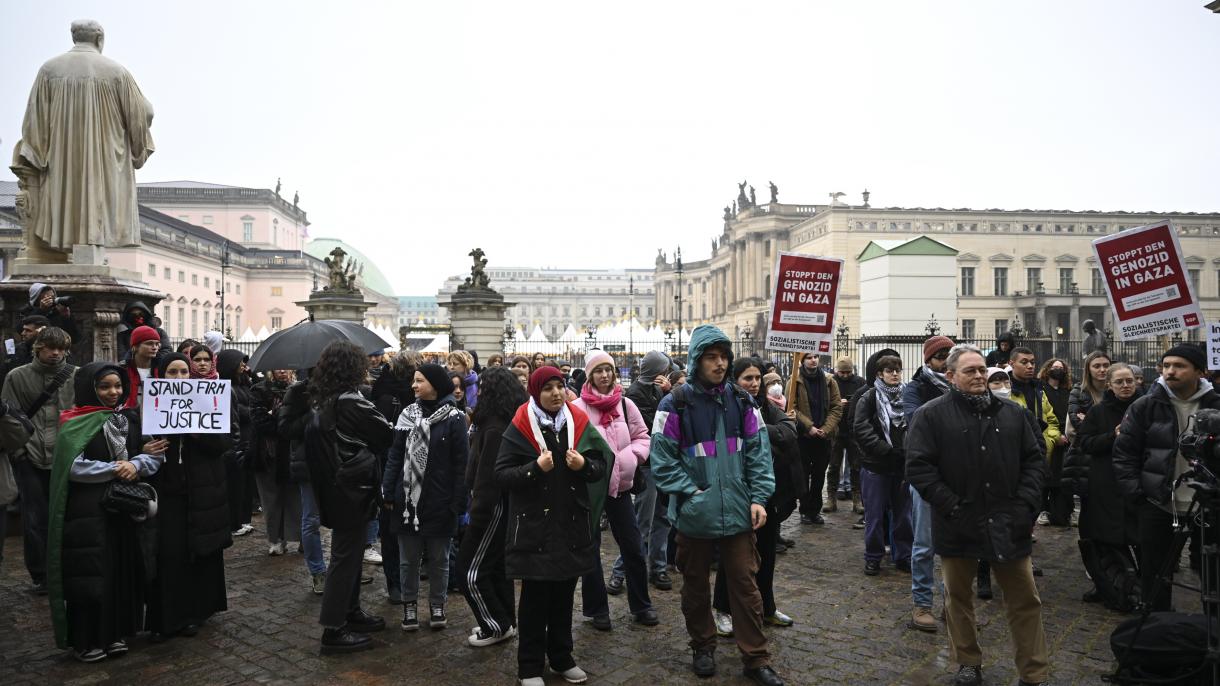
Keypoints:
pixel 85 383
pixel 170 357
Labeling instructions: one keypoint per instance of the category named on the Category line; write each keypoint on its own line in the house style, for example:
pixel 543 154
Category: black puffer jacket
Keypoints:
pixel 981 472
pixel 485 493
pixel 291 419
pixel 847 431
pixel 646 396
pixel 342 441
pixel 877 455
pixel 785 456
pixel 272 451
pixel 999 357
pixel 228 365
pixel 391 395
pixel 1147 445
pixel 1089 472
pixel 193 470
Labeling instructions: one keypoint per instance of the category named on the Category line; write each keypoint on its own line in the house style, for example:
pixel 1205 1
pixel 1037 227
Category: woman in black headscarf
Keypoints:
pixel 192 527
pixel 96 564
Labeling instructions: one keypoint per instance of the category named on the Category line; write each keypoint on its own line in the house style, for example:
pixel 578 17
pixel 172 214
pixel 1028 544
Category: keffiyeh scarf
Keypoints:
pixel 419 431
pixel 889 407
pixel 937 379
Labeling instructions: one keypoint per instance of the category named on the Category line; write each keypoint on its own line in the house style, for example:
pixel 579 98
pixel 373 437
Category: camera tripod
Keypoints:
pixel 1205 509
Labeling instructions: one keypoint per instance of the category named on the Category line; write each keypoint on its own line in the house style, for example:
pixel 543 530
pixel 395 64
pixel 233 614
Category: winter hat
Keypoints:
pixel 214 340
pixel 992 371
pixel 654 364
pixel 845 365
pixel 142 334
pixel 770 379
pixel 438 378
pixel 539 378
pixel 934 345
pixel 36 290
pixel 595 359
pixel 1189 353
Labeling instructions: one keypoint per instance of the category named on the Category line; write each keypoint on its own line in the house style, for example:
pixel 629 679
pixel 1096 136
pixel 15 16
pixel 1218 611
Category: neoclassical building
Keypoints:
pixel 554 298
pixel 1034 265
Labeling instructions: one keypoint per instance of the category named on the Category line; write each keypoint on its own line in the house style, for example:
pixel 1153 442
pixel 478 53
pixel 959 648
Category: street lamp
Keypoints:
pixel 224 265
pixel 747 334
pixel 842 337
pixel 630 317
pixel 507 340
pixel 590 336
pixel 669 337
pixel 678 297
pixel 932 328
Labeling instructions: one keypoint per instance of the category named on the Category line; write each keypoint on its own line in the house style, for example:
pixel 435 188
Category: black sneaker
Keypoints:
pixel 361 622
pixel 872 567
pixel 437 619
pixel 764 676
pixel 410 617
pixel 968 675
pixel 601 622
pixel 39 588
pixel 661 581
pixel 344 641
pixel 859 523
pixel 615 585
pixel 790 542
pixel 704 663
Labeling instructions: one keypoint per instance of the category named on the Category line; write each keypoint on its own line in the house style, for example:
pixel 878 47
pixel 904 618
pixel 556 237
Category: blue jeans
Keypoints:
pixel 371 533
pixel 410 547
pixel 627 534
pixel 923 561
pixel 886 498
pixel 311 536
pixel 654 529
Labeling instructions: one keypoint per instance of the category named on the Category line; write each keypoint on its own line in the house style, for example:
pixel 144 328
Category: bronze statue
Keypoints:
pixel 296 197
pixel 774 192
pixel 278 185
pixel 742 200
pixel 341 274
pixel 478 279
pixel 753 199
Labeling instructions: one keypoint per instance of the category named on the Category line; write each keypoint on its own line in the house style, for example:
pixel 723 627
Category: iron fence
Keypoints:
pixel 247 347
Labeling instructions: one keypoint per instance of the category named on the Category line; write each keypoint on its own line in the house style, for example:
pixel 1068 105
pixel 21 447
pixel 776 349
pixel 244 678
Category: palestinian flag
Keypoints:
pixel 76 428
pixel 525 437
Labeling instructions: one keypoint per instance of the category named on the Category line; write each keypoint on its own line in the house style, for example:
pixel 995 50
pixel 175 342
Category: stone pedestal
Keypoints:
pixel 100 294
pixel 348 306
pixel 476 317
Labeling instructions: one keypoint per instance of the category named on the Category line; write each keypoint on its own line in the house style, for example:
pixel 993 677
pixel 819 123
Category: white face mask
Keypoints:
pixel 1002 392
pixel 775 390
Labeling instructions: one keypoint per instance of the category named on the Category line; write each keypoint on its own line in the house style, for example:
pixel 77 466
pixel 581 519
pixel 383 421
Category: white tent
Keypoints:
pixel 440 344
pixel 262 335
pixel 537 342
pixel 248 336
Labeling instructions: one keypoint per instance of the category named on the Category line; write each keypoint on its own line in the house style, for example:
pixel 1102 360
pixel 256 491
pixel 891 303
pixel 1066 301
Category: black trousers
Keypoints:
pixel 815 458
pixel 766 536
pixel 240 491
pixel 387 529
pixel 1057 502
pixel 34 484
pixel 1156 543
pixel 545 628
pixel 480 574
pixel 342 593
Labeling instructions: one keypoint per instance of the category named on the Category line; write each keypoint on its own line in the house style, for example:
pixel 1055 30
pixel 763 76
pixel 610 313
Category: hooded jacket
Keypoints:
pixel 643 392
pixel 53 315
pixel 1146 450
pixel 710 452
pixel 127 324
pixel 847 434
pixel 21 388
pixel 228 364
pixel 920 391
pixel 997 357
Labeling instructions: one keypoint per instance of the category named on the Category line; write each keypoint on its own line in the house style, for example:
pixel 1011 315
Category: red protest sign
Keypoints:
pixel 803 303
pixel 1146 281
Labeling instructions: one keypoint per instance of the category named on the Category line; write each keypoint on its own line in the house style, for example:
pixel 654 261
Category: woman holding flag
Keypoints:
pixel 95 564
pixel 553 465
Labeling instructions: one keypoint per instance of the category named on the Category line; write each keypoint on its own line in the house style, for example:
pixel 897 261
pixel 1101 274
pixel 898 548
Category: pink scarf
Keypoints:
pixel 607 405
pixel 780 402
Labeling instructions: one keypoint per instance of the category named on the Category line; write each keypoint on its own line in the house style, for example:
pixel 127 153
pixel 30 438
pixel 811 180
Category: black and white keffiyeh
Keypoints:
pixel 415 462
pixel 889 407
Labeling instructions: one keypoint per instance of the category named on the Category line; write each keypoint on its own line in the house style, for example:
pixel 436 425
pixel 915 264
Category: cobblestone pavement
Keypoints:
pixel 850 629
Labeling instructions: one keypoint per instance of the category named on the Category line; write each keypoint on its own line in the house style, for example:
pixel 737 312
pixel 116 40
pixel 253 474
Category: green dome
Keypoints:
pixel 372 278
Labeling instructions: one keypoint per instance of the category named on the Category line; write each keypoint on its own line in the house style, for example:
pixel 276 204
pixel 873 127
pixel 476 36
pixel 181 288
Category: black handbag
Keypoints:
pixel 134 498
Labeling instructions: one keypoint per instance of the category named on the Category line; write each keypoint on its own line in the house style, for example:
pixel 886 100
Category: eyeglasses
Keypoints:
pixel 942 355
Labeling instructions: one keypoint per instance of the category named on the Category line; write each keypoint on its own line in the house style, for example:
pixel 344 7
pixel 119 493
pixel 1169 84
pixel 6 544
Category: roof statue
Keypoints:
pixel 85 132
pixel 296 198
pixel 774 192
pixel 342 272
pixel 278 185
pixel 742 201
pixel 753 198
pixel 478 279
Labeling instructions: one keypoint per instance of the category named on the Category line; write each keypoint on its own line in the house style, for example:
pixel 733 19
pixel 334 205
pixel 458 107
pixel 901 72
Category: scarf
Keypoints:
pixel 470 385
pixel 978 403
pixel 889 407
pixel 115 432
pixel 419 431
pixel 1031 391
pixel 210 375
pixel 815 392
pixel 546 421
pixel 607 405
pixel 938 380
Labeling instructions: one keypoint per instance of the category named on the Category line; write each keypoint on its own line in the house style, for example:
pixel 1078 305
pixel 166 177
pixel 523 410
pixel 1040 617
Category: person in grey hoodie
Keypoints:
pixel 43 301
pixel 646 392
pixel 43 389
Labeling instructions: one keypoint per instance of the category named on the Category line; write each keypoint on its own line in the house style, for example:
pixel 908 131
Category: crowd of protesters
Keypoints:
pixel 497 483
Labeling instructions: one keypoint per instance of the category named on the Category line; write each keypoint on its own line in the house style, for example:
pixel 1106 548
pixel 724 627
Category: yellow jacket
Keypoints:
pixel 1050 435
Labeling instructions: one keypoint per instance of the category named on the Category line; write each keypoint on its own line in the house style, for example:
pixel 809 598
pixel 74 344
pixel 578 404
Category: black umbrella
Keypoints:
pixel 299 347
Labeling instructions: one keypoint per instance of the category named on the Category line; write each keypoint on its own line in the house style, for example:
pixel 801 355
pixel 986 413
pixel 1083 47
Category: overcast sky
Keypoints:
pixel 591 134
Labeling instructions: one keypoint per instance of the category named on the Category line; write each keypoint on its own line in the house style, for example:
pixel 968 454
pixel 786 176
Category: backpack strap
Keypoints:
pixel 60 377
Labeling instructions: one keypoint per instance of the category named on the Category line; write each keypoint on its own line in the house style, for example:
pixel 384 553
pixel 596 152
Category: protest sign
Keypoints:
pixel 1213 346
pixel 803 303
pixel 1146 281
pixel 185 406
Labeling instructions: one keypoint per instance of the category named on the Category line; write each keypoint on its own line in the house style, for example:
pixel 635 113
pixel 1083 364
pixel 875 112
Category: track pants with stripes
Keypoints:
pixel 481 573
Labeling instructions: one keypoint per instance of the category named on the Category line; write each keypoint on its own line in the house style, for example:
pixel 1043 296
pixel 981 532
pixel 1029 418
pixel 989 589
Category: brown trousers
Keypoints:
pixel 1021 603
pixel 738 563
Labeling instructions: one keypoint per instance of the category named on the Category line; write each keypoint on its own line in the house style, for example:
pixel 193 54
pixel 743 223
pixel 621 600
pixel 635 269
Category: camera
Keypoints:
pixel 65 300
pixel 1201 441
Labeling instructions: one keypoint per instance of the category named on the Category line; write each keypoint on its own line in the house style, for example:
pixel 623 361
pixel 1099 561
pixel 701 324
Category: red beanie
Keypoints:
pixel 539 378
pixel 934 345
pixel 142 334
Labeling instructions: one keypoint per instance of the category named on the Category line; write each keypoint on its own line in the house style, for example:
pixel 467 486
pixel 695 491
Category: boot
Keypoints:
pixel 856 506
pixel 830 504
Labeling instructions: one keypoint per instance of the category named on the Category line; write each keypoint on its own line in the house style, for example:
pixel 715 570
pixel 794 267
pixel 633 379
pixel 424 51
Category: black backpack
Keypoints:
pixel 1169 648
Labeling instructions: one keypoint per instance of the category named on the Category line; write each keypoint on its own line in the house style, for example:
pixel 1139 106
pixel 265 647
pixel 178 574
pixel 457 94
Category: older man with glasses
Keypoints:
pixel 976 460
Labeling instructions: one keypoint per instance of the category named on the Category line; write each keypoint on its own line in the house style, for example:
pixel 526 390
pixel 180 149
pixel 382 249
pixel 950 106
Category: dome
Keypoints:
pixel 371 278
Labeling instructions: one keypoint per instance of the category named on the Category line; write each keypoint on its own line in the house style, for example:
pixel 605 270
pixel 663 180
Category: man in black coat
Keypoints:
pixel 1147 461
pixel 975 459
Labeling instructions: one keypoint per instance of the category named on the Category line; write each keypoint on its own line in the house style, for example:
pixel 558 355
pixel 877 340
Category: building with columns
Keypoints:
pixel 554 298
pixel 1033 265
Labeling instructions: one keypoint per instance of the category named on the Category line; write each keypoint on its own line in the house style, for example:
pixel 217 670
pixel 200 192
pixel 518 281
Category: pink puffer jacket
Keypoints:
pixel 628 437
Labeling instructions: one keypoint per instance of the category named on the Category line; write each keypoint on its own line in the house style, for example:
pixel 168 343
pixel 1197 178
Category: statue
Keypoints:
pixel 865 194
pixel 1095 340
pixel 727 215
pixel 734 208
pixel 742 200
pixel 774 192
pixel 341 274
pixel 753 199
pixel 85 132
pixel 277 186
pixel 296 198
pixel 478 279
pixel 713 246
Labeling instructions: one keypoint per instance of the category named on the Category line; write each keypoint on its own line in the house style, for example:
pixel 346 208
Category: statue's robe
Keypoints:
pixel 86 130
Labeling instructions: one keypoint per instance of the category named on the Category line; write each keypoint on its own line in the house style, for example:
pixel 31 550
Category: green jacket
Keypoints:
pixel 22 387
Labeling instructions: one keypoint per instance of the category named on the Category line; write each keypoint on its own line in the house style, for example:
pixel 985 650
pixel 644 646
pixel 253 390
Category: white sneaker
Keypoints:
pixel 478 639
pixel 243 530
pixel 575 675
pixel 371 556
pixel 724 624
pixel 533 681
pixel 276 549
pixel 1044 519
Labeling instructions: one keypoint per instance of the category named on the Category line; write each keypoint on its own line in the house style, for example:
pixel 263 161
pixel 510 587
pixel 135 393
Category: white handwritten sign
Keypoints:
pixel 1213 345
pixel 185 406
